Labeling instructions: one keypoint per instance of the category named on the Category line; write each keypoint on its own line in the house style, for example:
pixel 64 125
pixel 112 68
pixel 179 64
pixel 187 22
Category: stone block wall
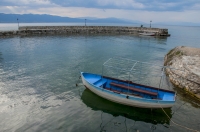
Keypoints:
pixel 28 30
pixel 91 30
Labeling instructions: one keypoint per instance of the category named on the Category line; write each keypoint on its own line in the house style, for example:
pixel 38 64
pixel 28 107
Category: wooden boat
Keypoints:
pixel 128 92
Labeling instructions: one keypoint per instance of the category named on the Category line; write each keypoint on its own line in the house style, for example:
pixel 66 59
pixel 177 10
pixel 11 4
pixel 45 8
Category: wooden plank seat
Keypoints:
pixel 134 89
pixel 115 91
pixel 130 82
pixel 118 92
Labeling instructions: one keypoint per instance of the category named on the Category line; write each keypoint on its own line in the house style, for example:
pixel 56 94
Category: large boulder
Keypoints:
pixel 184 71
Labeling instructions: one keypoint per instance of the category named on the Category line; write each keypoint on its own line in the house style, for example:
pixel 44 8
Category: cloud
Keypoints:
pixel 122 4
pixel 140 15
pixel 141 10
pixel 30 3
pixel 195 7
pixel 145 5
pixel 168 5
pixel 148 5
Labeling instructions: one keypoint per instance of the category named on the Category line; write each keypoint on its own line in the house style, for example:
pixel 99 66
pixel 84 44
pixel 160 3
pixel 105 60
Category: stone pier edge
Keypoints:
pixel 28 30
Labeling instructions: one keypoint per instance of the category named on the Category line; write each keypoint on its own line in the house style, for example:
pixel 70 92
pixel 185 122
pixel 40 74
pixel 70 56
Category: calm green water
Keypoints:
pixel 38 76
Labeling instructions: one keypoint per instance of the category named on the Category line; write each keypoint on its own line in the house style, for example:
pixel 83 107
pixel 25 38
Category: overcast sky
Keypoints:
pixel 140 10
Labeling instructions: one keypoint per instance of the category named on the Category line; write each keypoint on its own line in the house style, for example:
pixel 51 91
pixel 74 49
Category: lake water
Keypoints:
pixel 38 76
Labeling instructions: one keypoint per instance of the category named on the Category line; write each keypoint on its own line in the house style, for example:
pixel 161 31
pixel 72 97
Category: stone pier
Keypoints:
pixel 28 30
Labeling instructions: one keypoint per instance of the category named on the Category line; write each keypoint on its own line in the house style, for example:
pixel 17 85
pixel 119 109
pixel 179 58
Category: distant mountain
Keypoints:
pixel 35 18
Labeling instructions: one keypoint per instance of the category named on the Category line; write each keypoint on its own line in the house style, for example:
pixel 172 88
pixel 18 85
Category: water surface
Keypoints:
pixel 38 76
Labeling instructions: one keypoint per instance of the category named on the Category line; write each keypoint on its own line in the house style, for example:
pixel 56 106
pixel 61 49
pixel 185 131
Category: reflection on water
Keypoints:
pixel 160 40
pixel 1 58
pixel 183 95
pixel 155 116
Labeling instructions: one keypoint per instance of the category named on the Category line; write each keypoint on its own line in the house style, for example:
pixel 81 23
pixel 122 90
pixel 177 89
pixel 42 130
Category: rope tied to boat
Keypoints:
pixel 175 122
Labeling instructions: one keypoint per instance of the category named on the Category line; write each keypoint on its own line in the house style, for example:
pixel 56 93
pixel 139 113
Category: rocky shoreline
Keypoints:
pixel 184 71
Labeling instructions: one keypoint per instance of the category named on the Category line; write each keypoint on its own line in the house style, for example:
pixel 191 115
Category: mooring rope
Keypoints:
pixel 177 123
pixel 178 108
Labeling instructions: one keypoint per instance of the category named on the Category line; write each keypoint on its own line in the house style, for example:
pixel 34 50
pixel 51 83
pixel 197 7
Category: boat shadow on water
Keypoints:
pixel 154 116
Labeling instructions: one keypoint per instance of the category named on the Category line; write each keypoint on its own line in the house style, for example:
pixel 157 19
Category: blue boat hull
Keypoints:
pixel 127 93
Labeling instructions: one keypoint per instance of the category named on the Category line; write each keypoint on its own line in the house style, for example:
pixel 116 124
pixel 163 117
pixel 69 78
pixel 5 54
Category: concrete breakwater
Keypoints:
pixel 186 72
pixel 26 30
